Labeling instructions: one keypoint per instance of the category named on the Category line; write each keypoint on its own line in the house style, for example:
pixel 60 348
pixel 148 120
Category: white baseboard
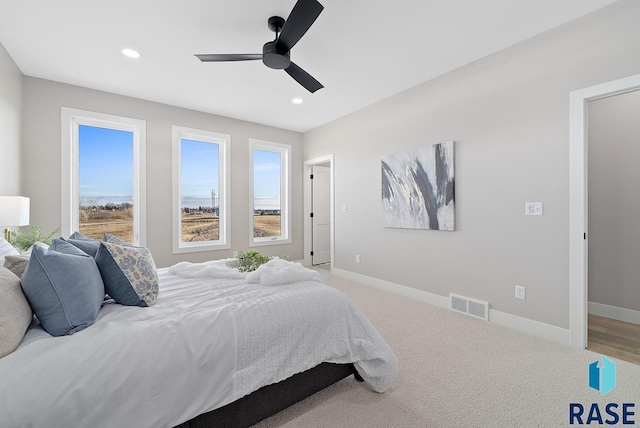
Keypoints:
pixel 526 325
pixel 613 312
pixel 537 328
pixel 413 293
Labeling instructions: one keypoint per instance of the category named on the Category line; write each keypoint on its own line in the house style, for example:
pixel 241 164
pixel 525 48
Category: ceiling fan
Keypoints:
pixel 277 54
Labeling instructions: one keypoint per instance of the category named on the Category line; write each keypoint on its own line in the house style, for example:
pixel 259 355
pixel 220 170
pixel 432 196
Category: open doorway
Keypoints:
pixel 319 212
pixel 613 149
pixel 578 233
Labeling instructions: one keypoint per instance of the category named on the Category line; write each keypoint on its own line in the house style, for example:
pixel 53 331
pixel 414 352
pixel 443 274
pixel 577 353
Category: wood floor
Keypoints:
pixel 614 338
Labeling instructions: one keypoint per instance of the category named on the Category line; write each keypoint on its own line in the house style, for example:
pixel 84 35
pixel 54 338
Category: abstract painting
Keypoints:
pixel 418 188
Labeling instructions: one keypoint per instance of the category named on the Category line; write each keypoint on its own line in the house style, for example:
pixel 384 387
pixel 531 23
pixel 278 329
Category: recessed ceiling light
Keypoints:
pixel 297 100
pixel 130 53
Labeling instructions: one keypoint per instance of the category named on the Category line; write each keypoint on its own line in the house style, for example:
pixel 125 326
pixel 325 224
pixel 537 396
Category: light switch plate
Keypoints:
pixel 533 208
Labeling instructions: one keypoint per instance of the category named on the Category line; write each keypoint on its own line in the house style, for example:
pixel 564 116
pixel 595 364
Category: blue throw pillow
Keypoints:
pixel 129 274
pixel 63 287
pixel 86 244
pixel 62 245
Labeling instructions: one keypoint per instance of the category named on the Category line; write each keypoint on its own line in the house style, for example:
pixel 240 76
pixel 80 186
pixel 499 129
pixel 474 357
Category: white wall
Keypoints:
pixel 509 116
pixel 614 206
pixel 10 125
pixel 43 100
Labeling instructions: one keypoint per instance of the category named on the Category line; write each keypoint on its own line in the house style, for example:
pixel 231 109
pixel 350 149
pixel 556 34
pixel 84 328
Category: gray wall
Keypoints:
pixel 509 116
pixel 614 206
pixel 10 125
pixel 42 105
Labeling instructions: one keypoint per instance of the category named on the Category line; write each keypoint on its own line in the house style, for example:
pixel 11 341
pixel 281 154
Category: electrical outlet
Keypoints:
pixel 235 254
pixel 357 258
pixel 520 292
pixel 533 208
pixel 344 209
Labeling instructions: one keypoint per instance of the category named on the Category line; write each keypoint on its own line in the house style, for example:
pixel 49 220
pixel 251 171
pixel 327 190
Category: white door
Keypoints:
pixel 321 215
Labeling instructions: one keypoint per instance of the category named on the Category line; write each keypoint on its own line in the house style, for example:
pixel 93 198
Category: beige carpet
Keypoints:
pixel 456 371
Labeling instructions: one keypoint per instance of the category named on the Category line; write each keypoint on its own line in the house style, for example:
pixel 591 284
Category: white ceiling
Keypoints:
pixel 361 50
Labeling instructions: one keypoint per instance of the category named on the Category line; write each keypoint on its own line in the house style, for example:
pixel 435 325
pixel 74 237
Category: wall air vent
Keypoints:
pixel 467 306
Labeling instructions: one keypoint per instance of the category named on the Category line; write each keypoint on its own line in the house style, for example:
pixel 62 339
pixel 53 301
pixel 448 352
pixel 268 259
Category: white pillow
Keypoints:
pixel 6 249
pixel 15 312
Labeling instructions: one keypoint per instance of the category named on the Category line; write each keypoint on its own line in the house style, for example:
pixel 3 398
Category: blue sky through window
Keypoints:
pixel 266 174
pixel 106 165
pixel 106 169
pixel 200 175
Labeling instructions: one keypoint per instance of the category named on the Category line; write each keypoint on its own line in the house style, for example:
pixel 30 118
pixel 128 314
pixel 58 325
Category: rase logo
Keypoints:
pixel 602 377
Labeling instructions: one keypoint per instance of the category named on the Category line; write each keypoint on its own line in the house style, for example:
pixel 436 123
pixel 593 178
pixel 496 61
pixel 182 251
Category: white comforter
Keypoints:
pixel 274 272
pixel 206 343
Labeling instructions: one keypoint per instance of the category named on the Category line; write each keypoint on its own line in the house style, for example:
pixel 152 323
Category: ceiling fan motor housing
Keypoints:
pixel 274 59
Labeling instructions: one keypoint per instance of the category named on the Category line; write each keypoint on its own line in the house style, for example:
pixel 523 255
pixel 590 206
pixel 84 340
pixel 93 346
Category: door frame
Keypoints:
pixel 308 227
pixel 578 195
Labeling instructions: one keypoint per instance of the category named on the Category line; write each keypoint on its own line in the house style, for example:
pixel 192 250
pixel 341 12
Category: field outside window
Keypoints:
pixel 103 175
pixel 270 168
pixel 105 182
pixel 200 190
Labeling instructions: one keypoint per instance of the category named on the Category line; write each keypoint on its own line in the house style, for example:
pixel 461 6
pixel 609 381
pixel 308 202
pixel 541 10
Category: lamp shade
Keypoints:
pixel 14 211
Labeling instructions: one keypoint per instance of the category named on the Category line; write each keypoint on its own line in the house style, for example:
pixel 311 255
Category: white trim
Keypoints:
pixel 70 119
pixel 578 213
pixel 412 293
pixel 224 227
pixel 285 192
pixel 614 312
pixel 307 206
pixel 69 180
pixel 526 325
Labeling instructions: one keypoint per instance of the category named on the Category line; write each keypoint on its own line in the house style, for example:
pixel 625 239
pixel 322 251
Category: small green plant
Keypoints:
pixel 23 240
pixel 251 260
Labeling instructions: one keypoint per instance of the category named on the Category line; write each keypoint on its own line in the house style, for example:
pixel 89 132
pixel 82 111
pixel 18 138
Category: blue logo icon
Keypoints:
pixel 602 378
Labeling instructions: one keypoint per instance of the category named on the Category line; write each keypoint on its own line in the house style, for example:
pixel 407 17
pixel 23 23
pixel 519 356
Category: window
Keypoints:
pixel 200 196
pixel 270 165
pixel 103 175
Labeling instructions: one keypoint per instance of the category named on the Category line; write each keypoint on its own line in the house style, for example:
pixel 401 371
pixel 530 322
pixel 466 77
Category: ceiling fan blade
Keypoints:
pixel 227 57
pixel 303 78
pixel 303 15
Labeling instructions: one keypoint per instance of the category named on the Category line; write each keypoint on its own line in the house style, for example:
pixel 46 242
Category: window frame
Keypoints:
pixel 71 119
pixel 224 208
pixel 285 151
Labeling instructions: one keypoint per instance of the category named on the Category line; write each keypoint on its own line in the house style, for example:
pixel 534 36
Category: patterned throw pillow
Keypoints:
pixel 129 274
pixel 15 312
pixel 107 237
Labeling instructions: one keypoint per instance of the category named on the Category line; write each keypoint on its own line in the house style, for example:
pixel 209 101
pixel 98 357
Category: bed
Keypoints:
pixel 210 352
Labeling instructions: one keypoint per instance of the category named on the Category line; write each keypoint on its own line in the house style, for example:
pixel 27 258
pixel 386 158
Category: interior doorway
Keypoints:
pixel 578 228
pixel 319 212
pixel 613 133
pixel 320 215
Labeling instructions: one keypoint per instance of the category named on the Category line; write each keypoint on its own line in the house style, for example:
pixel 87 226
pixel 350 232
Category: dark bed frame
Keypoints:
pixel 271 399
